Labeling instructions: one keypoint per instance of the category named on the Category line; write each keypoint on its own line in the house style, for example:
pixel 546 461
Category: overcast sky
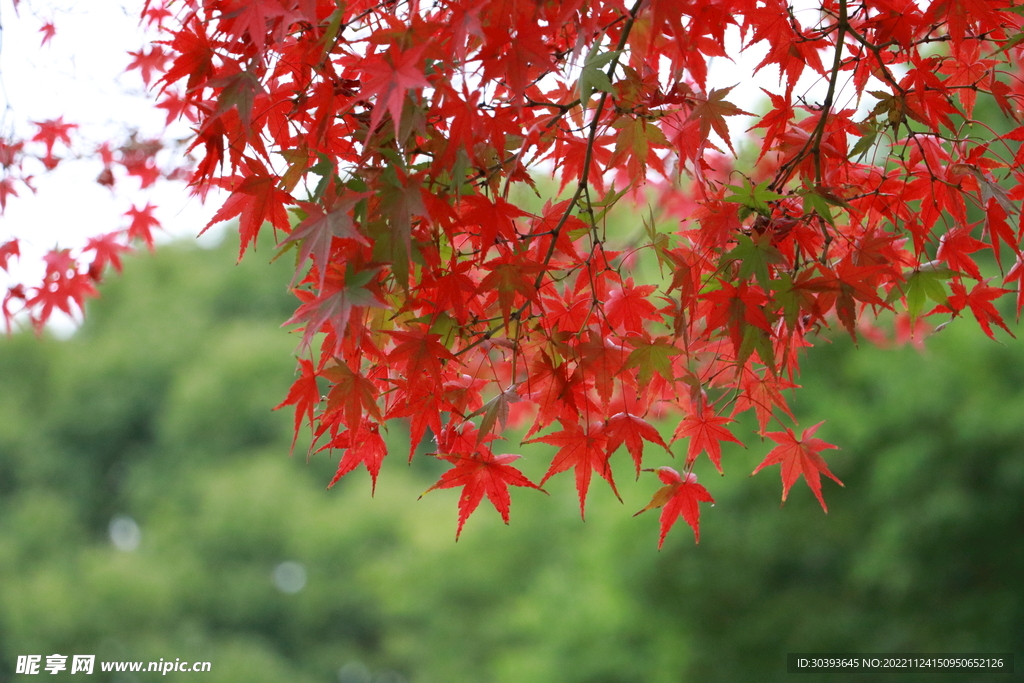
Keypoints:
pixel 80 75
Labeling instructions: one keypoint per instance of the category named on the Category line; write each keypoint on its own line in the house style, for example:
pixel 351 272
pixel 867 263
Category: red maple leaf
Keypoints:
pixel 9 249
pixel 148 61
pixel 107 249
pixel 628 307
pixel 706 432
pixel 601 361
pixel 53 130
pixel 350 395
pixel 62 286
pixel 304 395
pixel 420 353
pixel 362 446
pixel 482 474
pixel 388 77
pixel 49 31
pixel 799 457
pixel 341 295
pixel 255 200
pixel 143 223
pixel 711 111
pixel 623 428
pixel 317 232
pixel 979 300
pixel 954 248
pixel 678 498
pixel 586 451
pixel 195 55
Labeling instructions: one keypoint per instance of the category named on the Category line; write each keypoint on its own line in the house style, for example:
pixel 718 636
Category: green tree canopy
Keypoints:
pixel 156 414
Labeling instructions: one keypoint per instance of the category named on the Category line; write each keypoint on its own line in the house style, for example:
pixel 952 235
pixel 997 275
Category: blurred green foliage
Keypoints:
pixel 152 426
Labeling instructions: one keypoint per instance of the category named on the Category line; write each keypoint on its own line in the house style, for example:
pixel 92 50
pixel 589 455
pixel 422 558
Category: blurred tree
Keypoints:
pixel 135 526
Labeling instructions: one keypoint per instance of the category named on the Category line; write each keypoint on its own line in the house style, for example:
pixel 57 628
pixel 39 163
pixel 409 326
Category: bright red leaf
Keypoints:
pixel 799 457
pixel 583 450
pixel 482 473
pixel 706 432
pixel 679 497
pixel 631 430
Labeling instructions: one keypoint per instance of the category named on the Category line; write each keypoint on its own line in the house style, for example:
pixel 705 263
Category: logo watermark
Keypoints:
pixel 86 664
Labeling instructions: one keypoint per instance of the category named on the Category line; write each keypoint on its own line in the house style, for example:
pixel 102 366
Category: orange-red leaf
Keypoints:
pixel 586 451
pixel 482 474
pixel 623 428
pixel 799 457
pixel 706 432
pixel 304 395
pixel 678 498
pixel 362 446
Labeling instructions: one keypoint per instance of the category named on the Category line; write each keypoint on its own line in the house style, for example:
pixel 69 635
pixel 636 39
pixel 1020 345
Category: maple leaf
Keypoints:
pixel 304 395
pixel 53 130
pixel 979 300
pixel 363 446
pixel 388 78
pixel 954 248
pixel 418 401
pixel 350 395
pixel 652 356
pixel 9 249
pixel 510 275
pixel 255 200
pixel 763 392
pixel 107 249
pixel 706 431
pixel 496 411
pixel 711 111
pixel 550 387
pixel 143 223
pixel 496 219
pixel 632 430
pixel 584 450
pixel 238 90
pixel 799 457
pixel 195 55
pixel 335 304
pixel 253 18
pixel 6 190
pixel 776 121
pixel 679 497
pixel 49 31
pixel 420 353
pixel 482 474
pixel 601 361
pixel 628 307
pixel 148 61
pixel 63 288
pixel 316 233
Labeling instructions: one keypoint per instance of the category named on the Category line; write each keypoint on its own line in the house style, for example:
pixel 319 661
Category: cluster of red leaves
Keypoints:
pixel 70 275
pixel 395 132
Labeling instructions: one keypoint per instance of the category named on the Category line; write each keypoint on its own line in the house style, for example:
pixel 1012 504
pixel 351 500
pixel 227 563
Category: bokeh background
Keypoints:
pixel 149 509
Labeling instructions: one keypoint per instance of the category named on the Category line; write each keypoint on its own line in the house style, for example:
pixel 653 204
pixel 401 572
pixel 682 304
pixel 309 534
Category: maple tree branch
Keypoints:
pixel 591 138
pixel 581 185
pixel 826 106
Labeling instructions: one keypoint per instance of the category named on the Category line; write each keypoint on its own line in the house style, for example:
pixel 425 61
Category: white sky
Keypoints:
pixel 80 75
